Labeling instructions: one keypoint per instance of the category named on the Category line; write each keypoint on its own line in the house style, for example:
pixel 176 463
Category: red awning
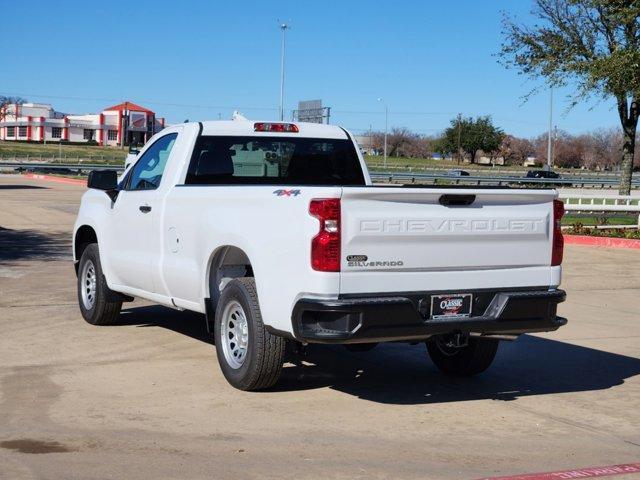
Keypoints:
pixel 129 106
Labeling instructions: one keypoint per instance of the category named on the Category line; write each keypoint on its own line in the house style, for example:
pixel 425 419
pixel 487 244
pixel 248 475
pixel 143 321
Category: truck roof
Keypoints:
pixel 246 128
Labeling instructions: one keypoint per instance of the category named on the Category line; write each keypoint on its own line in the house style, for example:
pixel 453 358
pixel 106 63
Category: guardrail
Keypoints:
pixel 65 158
pixel 387 177
pixel 495 171
pixel 73 167
pixel 392 177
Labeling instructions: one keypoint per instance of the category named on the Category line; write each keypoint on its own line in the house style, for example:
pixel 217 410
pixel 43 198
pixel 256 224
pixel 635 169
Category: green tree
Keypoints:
pixel 592 44
pixel 440 146
pixel 471 135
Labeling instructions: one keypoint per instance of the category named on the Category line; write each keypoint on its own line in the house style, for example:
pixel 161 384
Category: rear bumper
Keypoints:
pixel 402 316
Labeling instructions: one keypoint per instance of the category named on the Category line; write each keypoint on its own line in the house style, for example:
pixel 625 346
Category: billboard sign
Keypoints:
pixel 137 121
pixel 312 111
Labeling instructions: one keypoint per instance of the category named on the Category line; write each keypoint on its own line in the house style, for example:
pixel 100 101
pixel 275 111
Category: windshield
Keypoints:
pixel 222 160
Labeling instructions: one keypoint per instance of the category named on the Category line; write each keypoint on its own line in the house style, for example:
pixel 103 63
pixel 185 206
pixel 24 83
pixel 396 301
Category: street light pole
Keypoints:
pixel 283 27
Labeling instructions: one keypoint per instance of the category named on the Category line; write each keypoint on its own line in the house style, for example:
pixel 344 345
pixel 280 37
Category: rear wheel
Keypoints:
pixel 99 305
pixel 250 357
pixel 473 358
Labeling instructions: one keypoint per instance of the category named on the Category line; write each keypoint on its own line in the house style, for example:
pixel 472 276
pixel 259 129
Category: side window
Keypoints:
pixel 147 172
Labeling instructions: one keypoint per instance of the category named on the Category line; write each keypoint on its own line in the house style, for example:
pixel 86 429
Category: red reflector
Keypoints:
pixel 325 246
pixel 558 239
pixel 275 127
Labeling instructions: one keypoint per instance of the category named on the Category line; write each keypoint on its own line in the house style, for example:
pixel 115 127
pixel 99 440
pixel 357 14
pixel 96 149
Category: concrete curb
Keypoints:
pixel 51 178
pixel 608 242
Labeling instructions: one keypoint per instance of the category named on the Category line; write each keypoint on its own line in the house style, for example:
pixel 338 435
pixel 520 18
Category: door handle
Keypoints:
pixel 145 208
pixel 455 200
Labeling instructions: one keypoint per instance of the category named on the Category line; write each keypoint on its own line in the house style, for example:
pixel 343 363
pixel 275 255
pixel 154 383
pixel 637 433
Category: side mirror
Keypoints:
pixel 106 180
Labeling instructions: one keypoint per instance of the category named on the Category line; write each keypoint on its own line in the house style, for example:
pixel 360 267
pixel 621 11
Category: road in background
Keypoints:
pixel 146 399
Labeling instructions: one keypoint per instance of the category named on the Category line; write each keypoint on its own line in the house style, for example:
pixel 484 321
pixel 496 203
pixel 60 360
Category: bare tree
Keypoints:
pixel 516 150
pixel 6 101
pixel 602 149
pixel 402 142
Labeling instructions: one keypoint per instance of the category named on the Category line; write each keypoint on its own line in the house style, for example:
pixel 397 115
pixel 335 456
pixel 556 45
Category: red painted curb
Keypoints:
pixel 590 472
pixel 50 178
pixel 608 242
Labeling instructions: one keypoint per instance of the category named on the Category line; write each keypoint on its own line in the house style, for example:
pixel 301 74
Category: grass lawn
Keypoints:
pixel 395 163
pixel 400 163
pixel 66 153
pixel 592 220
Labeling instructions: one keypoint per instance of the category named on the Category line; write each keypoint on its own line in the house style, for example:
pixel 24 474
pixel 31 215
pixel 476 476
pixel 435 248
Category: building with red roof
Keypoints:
pixel 124 124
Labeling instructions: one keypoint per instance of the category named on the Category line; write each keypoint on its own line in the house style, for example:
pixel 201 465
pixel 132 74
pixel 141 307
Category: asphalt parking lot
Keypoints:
pixel 146 399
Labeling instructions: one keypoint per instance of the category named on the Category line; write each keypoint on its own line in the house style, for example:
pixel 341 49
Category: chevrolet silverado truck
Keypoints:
pixel 276 233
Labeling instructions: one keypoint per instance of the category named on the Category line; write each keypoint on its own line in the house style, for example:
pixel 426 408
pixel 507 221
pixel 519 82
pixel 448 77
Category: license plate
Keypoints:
pixel 451 306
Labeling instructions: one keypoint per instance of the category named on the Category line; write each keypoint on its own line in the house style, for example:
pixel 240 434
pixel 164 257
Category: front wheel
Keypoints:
pixel 464 361
pixel 99 305
pixel 250 357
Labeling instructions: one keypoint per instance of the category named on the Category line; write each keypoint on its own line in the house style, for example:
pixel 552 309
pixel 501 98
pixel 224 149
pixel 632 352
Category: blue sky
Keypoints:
pixel 197 60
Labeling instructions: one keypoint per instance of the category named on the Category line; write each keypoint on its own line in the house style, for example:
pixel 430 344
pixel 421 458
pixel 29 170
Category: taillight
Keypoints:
pixel 558 239
pixel 275 127
pixel 325 246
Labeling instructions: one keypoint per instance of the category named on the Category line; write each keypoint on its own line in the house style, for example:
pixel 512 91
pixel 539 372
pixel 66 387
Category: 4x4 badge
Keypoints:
pixel 287 193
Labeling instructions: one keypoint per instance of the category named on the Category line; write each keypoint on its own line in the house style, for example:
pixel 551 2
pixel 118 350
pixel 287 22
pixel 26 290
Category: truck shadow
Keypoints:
pixel 404 374
pixel 33 244
pixel 185 322
pixel 22 187
pixel 398 373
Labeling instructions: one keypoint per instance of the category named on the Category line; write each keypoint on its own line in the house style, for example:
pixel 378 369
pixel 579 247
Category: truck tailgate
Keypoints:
pixel 409 238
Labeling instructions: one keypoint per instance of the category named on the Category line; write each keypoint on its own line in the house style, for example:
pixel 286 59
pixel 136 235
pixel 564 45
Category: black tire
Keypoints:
pixel 466 361
pixel 106 304
pixel 264 354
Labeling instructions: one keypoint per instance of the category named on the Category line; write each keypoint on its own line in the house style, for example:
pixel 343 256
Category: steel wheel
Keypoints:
pixel 234 334
pixel 88 284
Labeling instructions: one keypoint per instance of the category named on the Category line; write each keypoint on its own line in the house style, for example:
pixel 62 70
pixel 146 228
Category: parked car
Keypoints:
pixel 546 174
pixel 458 173
pixel 276 233
pixel 542 174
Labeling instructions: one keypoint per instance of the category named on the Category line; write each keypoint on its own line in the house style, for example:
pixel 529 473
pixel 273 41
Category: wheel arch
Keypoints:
pixel 83 236
pixel 225 263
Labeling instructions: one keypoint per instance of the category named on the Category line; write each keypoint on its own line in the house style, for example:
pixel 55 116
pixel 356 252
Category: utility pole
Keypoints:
pixel 386 129
pixel 549 139
pixel 283 26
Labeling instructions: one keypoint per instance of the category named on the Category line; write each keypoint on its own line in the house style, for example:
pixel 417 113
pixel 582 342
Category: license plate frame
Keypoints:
pixel 458 305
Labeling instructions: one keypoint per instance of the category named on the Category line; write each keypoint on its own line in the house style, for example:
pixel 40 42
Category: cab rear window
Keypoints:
pixel 225 160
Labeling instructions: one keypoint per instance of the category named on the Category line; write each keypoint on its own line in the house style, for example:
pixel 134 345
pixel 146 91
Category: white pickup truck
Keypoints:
pixel 276 232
